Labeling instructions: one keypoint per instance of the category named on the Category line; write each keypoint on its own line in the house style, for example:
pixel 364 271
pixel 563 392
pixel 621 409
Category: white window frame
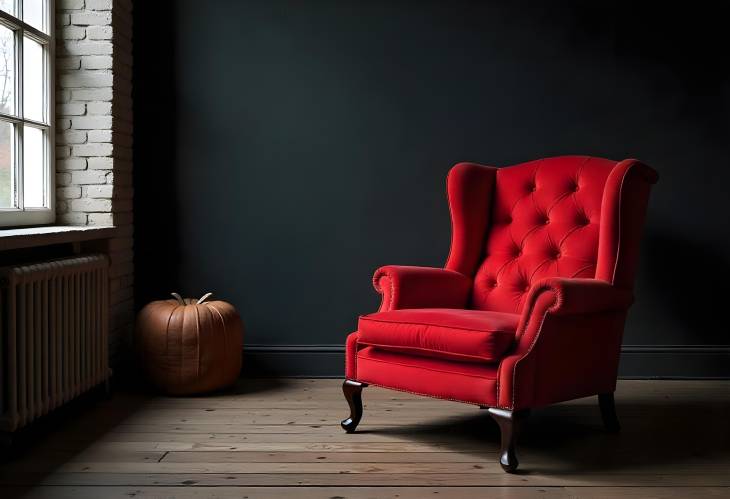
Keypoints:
pixel 20 215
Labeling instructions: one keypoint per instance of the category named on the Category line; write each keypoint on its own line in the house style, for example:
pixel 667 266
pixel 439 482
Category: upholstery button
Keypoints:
pixel 546 221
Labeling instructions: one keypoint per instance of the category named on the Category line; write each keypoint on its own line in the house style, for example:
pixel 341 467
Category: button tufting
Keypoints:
pixel 550 229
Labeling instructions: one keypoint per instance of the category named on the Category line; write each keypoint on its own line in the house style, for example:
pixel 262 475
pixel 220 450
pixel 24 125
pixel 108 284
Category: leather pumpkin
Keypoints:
pixel 190 346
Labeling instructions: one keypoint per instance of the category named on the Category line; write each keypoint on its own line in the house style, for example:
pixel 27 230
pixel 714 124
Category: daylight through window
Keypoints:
pixel 26 134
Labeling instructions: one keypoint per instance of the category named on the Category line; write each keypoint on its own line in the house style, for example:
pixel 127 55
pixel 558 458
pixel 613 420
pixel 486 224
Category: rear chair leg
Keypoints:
pixel 509 425
pixel 353 395
pixel 608 412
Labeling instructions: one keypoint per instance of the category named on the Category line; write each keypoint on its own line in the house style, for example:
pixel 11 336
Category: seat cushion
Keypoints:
pixel 454 334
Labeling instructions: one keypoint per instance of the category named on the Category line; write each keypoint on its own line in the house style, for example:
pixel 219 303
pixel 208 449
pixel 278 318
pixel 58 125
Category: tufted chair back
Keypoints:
pixel 568 216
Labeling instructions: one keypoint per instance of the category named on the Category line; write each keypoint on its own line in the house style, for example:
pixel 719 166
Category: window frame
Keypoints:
pixel 21 215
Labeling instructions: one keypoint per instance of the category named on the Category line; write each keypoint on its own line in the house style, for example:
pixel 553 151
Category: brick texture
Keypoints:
pixel 94 137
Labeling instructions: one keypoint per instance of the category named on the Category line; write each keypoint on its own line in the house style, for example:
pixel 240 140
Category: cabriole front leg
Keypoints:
pixel 353 395
pixel 509 426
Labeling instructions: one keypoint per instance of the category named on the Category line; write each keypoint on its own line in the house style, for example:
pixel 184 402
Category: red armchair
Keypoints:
pixel 530 307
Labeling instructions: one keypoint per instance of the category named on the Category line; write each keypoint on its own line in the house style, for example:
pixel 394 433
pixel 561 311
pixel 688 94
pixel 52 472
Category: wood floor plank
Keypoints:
pixel 421 467
pixel 288 492
pixel 648 493
pixel 214 445
pixel 289 417
pixel 336 437
pixel 370 492
pixel 331 457
pixel 271 468
pixel 365 479
pixel 227 428
pixel 54 457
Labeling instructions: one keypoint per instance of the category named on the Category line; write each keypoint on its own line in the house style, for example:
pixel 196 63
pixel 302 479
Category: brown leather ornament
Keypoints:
pixel 190 346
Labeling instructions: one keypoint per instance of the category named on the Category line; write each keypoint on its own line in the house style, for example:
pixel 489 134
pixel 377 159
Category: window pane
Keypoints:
pixel 7 70
pixel 34 13
pixel 33 71
pixel 8 6
pixel 33 177
pixel 7 165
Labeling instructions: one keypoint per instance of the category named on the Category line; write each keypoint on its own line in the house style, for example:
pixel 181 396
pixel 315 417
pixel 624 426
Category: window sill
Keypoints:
pixel 30 237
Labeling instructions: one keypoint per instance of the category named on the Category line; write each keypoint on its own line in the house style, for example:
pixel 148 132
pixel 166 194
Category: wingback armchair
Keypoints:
pixel 530 307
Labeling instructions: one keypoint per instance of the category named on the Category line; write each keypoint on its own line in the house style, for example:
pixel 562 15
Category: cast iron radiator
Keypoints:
pixel 53 335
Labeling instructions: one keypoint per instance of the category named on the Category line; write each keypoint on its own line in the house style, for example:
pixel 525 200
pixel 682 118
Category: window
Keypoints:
pixel 26 113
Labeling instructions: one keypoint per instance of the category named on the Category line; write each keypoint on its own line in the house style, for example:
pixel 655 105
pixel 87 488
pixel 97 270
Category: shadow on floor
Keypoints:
pixel 570 438
pixel 47 444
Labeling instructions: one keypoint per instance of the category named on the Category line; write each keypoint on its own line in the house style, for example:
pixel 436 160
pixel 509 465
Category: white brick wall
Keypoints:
pixel 94 135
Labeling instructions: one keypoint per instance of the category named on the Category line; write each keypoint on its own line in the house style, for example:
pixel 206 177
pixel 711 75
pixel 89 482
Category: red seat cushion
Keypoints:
pixel 455 334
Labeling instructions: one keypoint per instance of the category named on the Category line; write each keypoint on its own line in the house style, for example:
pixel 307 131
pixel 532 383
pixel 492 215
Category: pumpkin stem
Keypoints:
pixel 204 297
pixel 178 298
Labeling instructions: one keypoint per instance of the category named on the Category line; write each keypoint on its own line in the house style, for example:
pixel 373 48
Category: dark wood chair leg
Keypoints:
pixel 509 426
pixel 608 412
pixel 353 395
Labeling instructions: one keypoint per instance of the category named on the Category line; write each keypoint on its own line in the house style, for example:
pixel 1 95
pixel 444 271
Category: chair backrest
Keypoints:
pixel 568 216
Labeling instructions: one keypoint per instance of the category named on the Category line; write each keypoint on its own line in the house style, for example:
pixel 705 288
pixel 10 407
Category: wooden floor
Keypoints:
pixel 281 439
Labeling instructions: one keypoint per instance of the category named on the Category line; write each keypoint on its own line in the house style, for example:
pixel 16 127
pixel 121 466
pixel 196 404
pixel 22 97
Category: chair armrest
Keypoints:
pixel 570 296
pixel 420 287
pixel 567 343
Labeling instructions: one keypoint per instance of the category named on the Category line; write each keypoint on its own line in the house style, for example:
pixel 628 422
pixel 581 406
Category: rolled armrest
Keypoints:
pixel 572 296
pixel 581 296
pixel 420 287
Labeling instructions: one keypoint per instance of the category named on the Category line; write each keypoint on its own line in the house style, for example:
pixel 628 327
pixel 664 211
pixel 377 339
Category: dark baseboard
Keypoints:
pixel 637 361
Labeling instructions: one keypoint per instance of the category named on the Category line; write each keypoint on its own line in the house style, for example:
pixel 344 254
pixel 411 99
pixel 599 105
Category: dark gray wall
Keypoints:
pixel 285 150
